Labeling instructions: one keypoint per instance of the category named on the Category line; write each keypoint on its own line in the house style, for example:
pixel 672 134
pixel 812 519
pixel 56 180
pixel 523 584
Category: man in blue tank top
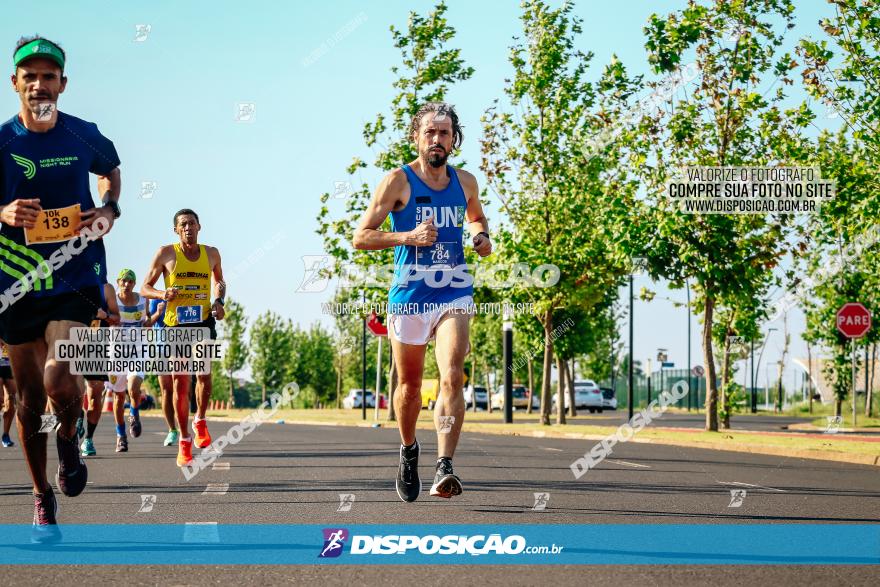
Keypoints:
pixel 431 296
pixel 51 263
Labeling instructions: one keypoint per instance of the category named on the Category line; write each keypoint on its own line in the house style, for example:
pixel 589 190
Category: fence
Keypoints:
pixel 660 381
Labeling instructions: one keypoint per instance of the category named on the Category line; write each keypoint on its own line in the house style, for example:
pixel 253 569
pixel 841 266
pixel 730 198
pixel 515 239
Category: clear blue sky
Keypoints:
pixel 169 104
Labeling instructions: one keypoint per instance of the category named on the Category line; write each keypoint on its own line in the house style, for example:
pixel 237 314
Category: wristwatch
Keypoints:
pixel 114 206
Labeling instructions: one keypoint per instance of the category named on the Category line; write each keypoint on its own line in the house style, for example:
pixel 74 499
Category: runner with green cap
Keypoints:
pixel 132 314
pixel 53 256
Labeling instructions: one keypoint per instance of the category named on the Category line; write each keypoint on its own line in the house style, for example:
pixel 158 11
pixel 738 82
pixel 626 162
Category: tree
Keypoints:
pixel 312 353
pixel 724 121
pixel 852 87
pixel 270 344
pixel 845 237
pixel 232 329
pixel 841 254
pixel 534 161
pixel 428 68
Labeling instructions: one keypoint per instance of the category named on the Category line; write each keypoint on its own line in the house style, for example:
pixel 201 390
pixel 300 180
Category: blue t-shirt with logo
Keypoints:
pixel 53 166
pixel 434 275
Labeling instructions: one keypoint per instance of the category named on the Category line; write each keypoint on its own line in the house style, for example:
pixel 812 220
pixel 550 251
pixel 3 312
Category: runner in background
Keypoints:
pixel 188 268
pixel 107 315
pixel 8 392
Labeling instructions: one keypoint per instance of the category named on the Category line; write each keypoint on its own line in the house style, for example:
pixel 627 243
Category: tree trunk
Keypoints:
pixel 339 385
pixel 711 383
pixel 569 378
pixel 725 376
pixel 560 391
pixel 810 375
pixel 787 339
pixel 531 384
pixel 392 389
pixel 231 392
pixel 548 359
pixel 488 388
pixel 264 394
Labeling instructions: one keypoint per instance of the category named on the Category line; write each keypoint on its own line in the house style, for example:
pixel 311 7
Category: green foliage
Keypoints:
pixel 567 208
pixel 271 344
pixel 722 120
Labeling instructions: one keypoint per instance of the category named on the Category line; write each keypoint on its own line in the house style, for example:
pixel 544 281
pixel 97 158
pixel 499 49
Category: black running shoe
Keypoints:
pixel 135 424
pixel 72 472
pixel 121 444
pixel 409 486
pixel 446 484
pixel 45 529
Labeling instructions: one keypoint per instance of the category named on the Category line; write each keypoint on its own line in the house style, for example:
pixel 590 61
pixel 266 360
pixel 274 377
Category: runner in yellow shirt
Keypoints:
pixel 187 268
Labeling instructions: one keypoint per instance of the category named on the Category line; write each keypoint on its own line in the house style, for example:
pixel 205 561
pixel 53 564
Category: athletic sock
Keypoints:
pixel 408 450
pixel 187 439
pixel 120 430
pixel 135 412
pixel 90 429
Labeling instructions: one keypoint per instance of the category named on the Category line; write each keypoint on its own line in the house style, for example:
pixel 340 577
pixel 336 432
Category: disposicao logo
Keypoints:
pixel 334 541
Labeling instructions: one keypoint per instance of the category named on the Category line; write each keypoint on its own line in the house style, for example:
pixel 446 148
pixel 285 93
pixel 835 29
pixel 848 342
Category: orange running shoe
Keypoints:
pixel 203 439
pixel 184 453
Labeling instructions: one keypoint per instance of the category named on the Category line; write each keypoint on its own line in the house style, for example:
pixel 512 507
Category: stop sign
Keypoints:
pixel 377 325
pixel 853 320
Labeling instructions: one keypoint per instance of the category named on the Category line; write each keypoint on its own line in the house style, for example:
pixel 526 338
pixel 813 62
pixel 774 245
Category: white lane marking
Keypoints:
pixel 740 484
pixel 220 466
pixel 216 489
pixel 551 448
pixel 629 464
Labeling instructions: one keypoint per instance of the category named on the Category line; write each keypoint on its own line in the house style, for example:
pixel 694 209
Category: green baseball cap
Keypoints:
pixel 39 48
pixel 126 275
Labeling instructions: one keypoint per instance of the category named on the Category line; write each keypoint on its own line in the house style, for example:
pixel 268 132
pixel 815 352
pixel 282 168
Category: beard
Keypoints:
pixel 436 159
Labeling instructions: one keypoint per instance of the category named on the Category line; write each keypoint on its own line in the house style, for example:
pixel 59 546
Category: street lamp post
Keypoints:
pixel 508 366
pixel 629 393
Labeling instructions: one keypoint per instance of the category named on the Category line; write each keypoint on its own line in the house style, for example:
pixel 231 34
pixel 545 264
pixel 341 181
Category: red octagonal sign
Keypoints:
pixel 853 320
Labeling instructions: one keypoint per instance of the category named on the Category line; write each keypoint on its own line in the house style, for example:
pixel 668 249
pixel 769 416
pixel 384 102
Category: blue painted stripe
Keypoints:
pixel 611 544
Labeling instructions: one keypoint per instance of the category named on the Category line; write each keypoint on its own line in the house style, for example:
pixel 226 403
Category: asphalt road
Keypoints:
pixel 285 474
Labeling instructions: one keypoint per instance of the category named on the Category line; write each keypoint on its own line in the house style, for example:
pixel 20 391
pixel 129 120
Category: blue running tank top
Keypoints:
pixel 426 277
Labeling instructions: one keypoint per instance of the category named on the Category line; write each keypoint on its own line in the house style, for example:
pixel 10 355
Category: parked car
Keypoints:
pixel 587 396
pixel 520 397
pixel 482 397
pixel 353 399
pixel 609 401
pixel 430 389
